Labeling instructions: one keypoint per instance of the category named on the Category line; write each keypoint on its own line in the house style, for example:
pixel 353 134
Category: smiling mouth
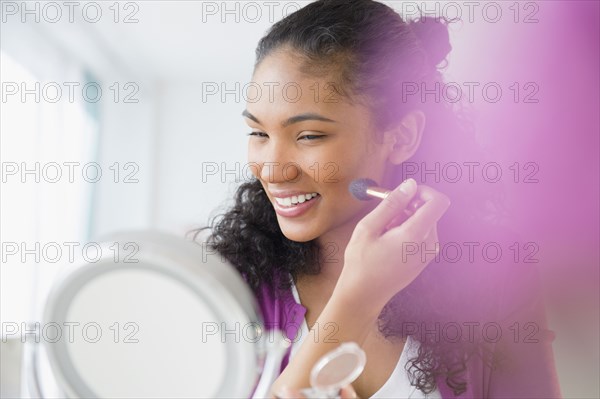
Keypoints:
pixel 295 200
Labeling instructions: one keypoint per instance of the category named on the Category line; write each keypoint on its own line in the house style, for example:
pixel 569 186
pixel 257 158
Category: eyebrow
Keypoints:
pixel 308 116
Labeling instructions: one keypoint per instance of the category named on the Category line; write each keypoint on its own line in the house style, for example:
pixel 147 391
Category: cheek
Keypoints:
pixel 348 168
pixel 337 163
pixel 254 162
pixel 351 166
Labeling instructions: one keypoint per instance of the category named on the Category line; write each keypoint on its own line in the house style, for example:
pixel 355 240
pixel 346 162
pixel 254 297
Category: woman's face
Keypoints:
pixel 309 140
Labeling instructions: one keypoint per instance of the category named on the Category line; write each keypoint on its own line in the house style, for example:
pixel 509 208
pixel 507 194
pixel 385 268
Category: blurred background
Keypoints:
pixel 126 115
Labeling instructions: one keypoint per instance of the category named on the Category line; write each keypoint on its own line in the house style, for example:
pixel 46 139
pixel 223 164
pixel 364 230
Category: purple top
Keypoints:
pixel 530 370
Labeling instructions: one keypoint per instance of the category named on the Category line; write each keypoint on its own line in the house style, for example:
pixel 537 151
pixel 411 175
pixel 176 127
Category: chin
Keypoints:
pixel 297 234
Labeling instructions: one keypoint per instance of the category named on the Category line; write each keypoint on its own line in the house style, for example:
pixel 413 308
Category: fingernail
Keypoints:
pixel 408 186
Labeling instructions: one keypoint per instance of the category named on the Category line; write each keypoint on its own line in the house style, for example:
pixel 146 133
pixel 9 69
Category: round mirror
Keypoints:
pixel 339 367
pixel 156 316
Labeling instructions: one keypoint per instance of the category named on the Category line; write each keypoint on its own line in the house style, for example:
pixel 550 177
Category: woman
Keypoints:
pixel 333 104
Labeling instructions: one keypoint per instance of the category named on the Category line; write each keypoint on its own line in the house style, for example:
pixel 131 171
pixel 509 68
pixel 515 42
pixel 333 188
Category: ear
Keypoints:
pixel 406 137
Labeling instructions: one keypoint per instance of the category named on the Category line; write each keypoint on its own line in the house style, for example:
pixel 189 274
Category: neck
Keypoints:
pixel 332 246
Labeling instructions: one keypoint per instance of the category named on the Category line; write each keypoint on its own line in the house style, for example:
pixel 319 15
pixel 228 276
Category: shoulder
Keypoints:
pixel 278 306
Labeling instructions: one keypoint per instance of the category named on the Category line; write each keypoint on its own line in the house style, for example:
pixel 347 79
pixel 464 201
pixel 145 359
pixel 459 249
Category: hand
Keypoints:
pixel 383 257
pixel 287 393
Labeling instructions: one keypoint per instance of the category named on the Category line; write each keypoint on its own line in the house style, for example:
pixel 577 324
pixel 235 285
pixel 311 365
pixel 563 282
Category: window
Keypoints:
pixel 47 139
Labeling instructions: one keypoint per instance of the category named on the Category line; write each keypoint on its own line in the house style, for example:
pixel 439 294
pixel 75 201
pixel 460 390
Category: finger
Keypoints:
pixel 287 393
pixel 416 256
pixel 392 206
pixel 428 250
pixel 410 210
pixel 414 204
pixel 416 227
pixel 348 393
pixel 397 220
pixel 430 246
pixel 431 234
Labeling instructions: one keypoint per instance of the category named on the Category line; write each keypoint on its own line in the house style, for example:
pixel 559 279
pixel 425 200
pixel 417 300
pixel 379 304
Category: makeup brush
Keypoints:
pixel 365 189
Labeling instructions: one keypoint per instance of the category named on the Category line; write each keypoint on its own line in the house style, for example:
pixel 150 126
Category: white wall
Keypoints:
pixel 175 132
pixel 199 141
pixel 128 137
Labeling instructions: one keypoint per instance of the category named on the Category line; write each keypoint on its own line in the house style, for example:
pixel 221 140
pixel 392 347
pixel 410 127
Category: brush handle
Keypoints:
pixel 378 192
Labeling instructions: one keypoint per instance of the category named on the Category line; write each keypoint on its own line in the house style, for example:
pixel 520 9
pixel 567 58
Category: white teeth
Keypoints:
pixel 295 199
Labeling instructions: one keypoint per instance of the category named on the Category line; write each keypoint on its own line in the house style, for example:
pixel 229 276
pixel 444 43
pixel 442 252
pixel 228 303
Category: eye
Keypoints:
pixel 311 137
pixel 257 134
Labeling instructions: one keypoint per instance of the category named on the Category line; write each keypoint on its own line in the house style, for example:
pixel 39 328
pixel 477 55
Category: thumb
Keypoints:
pixel 348 393
pixel 393 205
pixel 287 393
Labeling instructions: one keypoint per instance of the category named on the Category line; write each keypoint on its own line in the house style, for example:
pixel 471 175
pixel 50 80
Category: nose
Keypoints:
pixel 278 165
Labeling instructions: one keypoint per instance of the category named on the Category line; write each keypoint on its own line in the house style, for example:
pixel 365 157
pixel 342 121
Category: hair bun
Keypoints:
pixel 432 32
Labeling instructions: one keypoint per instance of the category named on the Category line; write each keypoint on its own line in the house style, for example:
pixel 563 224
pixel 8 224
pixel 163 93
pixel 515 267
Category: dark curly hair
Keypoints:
pixel 374 56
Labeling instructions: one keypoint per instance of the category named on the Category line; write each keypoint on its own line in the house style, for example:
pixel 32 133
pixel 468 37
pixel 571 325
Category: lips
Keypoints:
pixel 296 210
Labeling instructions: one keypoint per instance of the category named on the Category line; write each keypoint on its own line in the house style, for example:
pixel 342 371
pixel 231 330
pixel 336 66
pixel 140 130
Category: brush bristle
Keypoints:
pixel 358 188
